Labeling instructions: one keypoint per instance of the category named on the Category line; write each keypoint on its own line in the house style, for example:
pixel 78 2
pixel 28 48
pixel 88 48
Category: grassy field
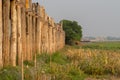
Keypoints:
pixel 102 45
pixel 91 61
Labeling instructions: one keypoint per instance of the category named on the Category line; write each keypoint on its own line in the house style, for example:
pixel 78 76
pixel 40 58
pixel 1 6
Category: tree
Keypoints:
pixel 73 31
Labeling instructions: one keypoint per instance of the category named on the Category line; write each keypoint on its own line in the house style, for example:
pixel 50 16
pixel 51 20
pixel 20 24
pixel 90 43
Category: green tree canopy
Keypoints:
pixel 72 30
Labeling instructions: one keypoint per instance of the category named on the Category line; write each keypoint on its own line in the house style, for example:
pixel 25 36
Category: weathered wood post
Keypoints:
pixel 23 32
pixel 54 39
pixel 29 30
pixel 50 35
pixel 13 33
pixel 1 33
pixel 19 54
pixel 23 36
pixel 28 36
pixel 41 26
pixel 33 28
pixel 60 36
pixel 46 33
pixel 6 35
pixel 48 38
pixel 53 36
pixel 57 38
pixel 38 29
pixel 42 29
pixel 19 28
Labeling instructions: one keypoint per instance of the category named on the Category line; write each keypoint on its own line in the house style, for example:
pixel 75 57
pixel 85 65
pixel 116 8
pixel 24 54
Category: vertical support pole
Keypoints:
pixel 28 29
pixel 54 31
pixel 6 32
pixel 23 17
pixel 38 29
pixel 23 37
pixel 28 36
pixel 42 37
pixel 57 37
pixel 52 38
pixel 46 33
pixel 33 30
pixel 42 29
pixel 41 42
pixel 39 26
pixel 19 48
pixel 13 33
pixel 51 49
pixel 53 26
pixel 50 35
pixel 1 33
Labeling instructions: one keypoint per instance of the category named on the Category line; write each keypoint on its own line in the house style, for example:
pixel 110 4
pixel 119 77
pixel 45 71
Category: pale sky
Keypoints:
pixel 97 17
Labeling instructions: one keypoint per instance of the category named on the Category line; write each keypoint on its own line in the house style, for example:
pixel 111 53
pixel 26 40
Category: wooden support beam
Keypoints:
pixel 38 30
pixel 41 36
pixel 6 31
pixel 33 34
pixel 19 42
pixel 50 39
pixel 23 37
pixel 28 37
pixel 23 32
pixel 13 47
pixel 1 35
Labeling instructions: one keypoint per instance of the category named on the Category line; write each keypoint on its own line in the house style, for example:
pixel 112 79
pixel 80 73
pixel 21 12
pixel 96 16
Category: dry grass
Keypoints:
pixel 96 62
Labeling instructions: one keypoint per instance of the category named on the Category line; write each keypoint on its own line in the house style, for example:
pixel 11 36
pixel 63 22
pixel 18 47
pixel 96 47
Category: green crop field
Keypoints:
pixel 102 45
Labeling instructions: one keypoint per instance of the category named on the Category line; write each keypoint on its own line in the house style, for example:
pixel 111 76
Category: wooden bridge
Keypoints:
pixel 26 30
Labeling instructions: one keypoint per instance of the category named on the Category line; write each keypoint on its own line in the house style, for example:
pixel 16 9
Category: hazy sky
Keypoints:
pixel 97 17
